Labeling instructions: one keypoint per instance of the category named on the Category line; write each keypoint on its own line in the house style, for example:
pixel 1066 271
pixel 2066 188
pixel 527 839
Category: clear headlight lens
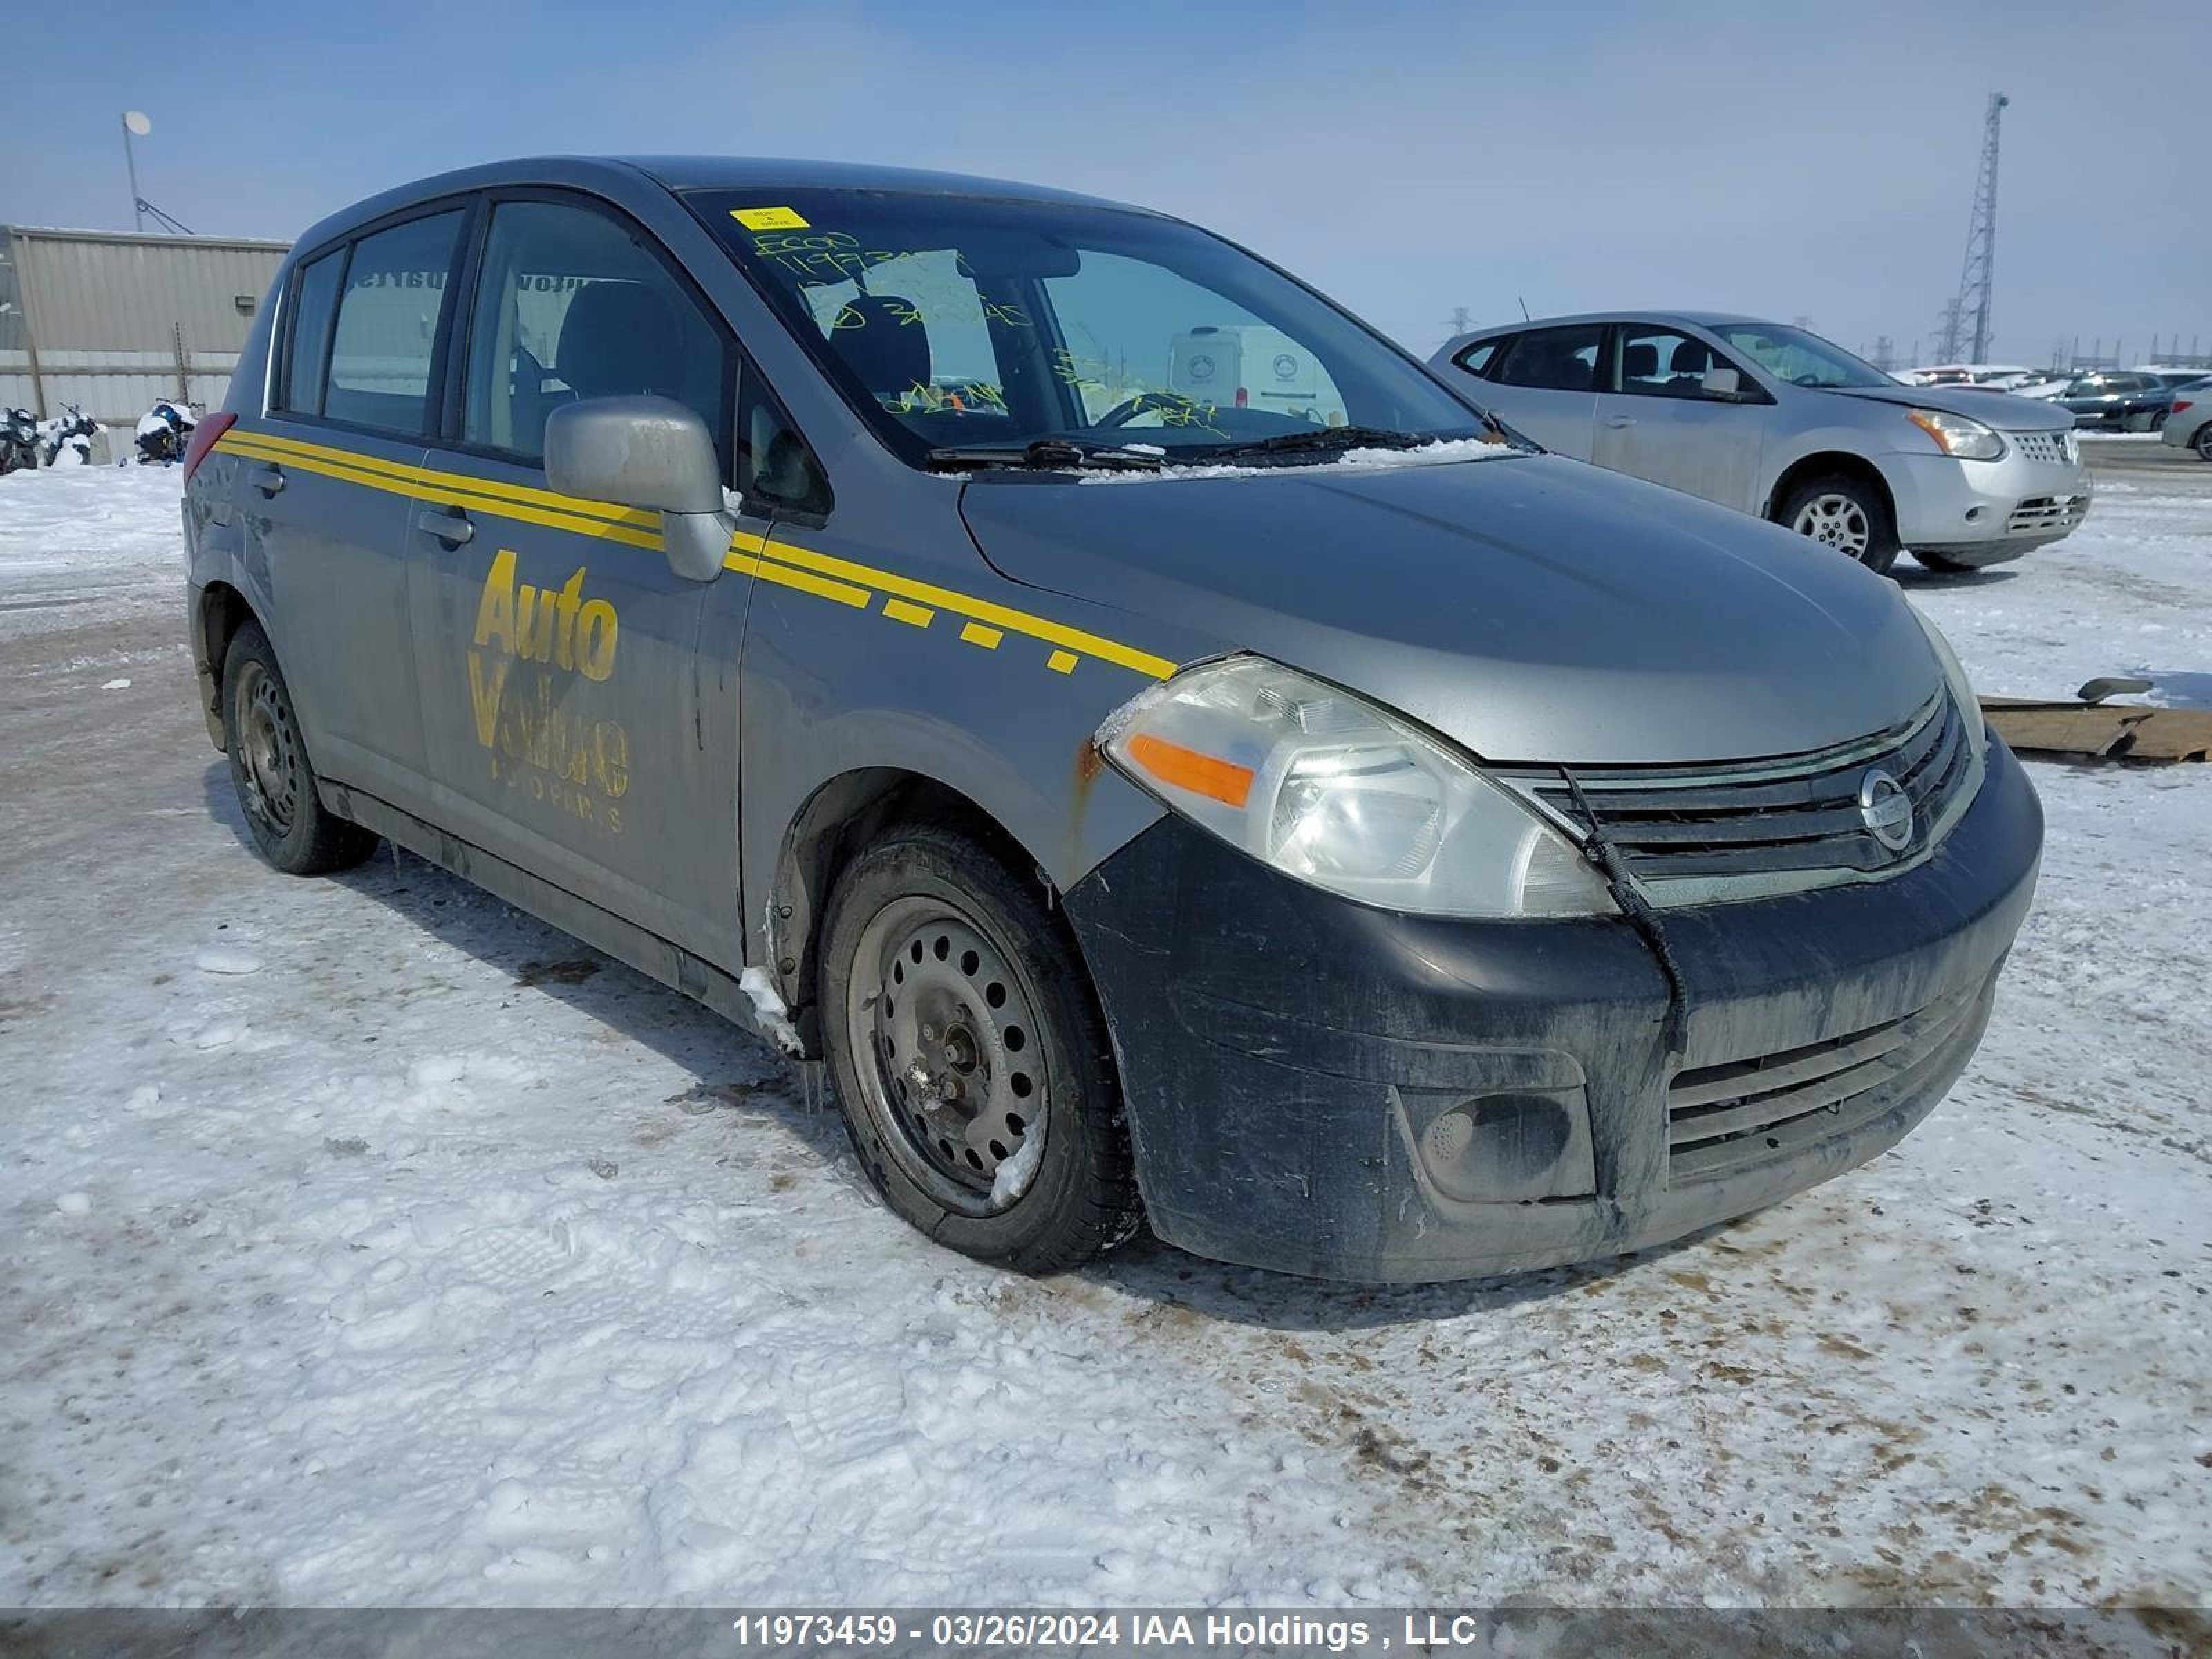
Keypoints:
pixel 1957 435
pixel 1954 676
pixel 1337 792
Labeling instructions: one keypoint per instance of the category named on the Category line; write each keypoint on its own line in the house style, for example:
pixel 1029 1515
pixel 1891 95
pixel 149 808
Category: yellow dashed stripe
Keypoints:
pixel 786 563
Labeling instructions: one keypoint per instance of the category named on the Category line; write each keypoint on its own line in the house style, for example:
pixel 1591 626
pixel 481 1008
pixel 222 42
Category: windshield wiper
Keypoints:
pixel 1322 438
pixel 1047 455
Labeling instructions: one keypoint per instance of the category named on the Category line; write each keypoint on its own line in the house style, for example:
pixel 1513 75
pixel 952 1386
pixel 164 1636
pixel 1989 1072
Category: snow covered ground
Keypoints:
pixel 363 1242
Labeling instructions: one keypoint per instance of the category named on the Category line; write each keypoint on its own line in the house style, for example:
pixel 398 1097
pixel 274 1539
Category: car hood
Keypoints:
pixel 1997 408
pixel 1530 608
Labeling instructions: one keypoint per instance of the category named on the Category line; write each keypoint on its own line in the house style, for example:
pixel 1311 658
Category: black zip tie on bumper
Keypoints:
pixel 1606 858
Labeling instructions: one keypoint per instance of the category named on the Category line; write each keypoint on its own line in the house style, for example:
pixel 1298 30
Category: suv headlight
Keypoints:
pixel 1954 676
pixel 1957 435
pixel 1338 792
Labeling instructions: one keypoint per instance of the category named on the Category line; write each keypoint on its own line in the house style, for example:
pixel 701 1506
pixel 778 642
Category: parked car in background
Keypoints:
pixel 1771 419
pixel 2110 397
pixel 802 582
pixel 2189 424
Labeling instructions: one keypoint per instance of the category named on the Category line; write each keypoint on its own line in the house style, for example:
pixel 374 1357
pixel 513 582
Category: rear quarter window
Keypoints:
pixel 309 353
pixel 1478 358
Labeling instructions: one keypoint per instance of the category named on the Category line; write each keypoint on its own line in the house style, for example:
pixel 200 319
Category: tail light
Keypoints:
pixel 2180 404
pixel 210 427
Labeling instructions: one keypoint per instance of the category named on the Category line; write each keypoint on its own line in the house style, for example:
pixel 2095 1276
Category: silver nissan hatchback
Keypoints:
pixel 1170 757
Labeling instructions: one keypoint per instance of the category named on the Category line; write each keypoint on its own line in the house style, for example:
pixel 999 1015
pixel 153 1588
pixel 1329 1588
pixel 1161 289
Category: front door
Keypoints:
pixel 1655 420
pixel 575 724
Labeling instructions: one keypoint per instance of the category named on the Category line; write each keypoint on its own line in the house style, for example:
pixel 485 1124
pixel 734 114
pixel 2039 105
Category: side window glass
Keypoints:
pixel 1658 362
pixel 1481 357
pixel 774 465
pixel 1555 359
pixel 387 325
pixel 571 305
pixel 310 334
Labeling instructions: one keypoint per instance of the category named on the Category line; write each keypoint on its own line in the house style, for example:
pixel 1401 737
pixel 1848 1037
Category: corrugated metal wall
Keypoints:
pixel 112 322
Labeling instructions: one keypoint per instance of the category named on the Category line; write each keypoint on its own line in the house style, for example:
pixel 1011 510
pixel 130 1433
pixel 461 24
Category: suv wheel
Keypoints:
pixel 970 1056
pixel 1846 514
pixel 269 768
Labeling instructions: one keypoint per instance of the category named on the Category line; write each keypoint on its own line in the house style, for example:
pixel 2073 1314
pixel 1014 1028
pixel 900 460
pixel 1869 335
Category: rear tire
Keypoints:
pixel 1846 513
pixel 2202 442
pixel 960 1027
pixel 269 769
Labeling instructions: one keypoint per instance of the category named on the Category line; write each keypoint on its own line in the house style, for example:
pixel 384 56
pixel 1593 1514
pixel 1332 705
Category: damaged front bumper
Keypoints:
pixel 1322 1088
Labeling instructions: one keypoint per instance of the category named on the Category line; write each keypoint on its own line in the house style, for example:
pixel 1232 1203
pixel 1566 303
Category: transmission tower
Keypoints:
pixel 1966 319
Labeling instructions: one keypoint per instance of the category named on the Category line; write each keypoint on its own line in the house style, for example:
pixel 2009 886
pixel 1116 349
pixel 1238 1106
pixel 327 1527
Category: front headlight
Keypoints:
pixel 1954 676
pixel 1958 436
pixel 1338 792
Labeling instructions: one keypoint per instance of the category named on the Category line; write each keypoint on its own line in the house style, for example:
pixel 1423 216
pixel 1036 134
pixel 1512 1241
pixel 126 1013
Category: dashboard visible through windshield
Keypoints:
pixel 965 325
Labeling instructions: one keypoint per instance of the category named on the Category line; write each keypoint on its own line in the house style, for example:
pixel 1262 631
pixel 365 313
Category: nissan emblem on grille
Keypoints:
pixel 1886 809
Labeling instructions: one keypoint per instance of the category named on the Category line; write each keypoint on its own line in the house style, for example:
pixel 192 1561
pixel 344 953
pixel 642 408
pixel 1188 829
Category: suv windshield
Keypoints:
pixel 962 324
pixel 1802 359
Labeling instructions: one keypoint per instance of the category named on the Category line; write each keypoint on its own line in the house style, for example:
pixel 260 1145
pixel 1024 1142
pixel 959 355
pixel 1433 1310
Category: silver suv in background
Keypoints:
pixel 1774 420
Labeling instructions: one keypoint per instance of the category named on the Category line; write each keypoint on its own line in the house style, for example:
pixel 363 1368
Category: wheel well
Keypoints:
pixel 1835 462
pixel 223 611
pixel 839 819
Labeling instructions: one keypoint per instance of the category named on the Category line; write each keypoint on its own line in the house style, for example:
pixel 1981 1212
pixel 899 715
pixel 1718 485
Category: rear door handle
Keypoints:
pixel 268 477
pixel 1620 420
pixel 447 523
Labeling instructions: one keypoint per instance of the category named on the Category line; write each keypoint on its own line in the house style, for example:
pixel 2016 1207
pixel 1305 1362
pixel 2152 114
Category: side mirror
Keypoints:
pixel 1723 384
pixel 650 453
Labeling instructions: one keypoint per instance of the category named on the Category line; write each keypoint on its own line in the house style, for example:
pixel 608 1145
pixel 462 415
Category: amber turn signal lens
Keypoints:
pixel 1186 768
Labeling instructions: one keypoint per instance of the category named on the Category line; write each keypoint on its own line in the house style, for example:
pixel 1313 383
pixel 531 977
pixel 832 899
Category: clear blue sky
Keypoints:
pixel 1791 159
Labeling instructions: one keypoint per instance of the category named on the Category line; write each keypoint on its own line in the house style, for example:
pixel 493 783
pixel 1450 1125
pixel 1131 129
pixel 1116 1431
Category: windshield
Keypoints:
pixel 1802 359
pixel 959 323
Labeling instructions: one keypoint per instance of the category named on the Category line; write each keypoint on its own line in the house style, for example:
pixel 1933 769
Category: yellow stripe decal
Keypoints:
pixel 786 563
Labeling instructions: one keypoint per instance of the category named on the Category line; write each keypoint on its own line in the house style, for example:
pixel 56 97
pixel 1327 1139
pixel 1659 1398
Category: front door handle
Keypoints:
pixel 268 477
pixel 447 523
pixel 1620 420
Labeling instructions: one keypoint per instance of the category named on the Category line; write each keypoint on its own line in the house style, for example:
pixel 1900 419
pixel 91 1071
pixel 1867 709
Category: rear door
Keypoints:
pixel 324 493
pixel 1545 382
pixel 1655 421
pixel 579 697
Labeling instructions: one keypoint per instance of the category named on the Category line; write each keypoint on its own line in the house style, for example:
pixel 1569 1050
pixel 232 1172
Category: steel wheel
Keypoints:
pixel 957 1083
pixel 271 749
pixel 1834 520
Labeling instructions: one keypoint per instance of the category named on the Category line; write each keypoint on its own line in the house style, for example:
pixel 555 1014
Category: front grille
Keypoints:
pixel 1720 1118
pixel 2048 513
pixel 2055 447
pixel 1738 830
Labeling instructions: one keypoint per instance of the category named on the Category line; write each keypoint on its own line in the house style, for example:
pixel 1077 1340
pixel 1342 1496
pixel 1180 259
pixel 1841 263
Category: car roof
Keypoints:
pixel 682 172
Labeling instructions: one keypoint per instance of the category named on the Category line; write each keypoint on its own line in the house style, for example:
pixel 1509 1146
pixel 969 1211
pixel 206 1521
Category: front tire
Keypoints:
pixel 970 1058
pixel 269 769
pixel 1846 513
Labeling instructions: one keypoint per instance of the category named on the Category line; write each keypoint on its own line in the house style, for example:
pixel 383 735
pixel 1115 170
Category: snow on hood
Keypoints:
pixel 1444 453
pixel 1546 611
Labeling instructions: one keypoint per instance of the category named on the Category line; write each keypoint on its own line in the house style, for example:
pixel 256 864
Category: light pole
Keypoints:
pixel 135 122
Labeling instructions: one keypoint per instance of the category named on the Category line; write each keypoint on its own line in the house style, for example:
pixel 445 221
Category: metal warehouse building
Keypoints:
pixel 112 321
